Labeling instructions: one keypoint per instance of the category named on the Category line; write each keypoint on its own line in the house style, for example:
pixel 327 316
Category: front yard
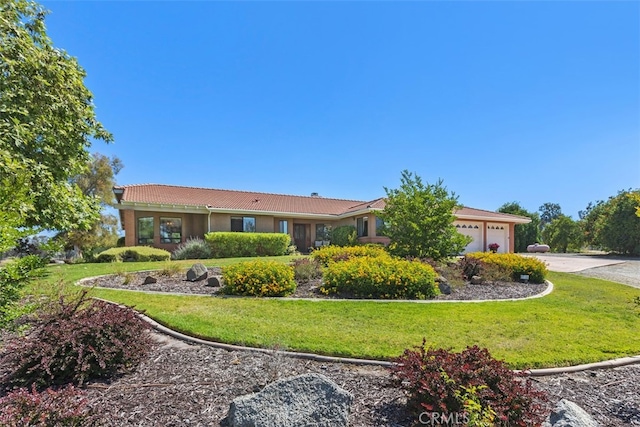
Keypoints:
pixel 583 320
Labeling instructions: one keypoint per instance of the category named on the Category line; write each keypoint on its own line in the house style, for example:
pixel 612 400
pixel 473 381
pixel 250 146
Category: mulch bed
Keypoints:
pixel 306 289
pixel 182 384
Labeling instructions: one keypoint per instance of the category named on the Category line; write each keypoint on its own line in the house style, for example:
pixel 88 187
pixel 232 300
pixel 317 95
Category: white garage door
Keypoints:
pixel 473 230
pixel 498 233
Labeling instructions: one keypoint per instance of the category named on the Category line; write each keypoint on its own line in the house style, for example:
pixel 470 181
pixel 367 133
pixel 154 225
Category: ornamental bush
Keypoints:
pixel 380 277
pixel 471 382
pixel 74 341
pixel 258 278
pixel 327 254
pixel 345 235
pixel 305 269
pixel 233 244
pixel 133 253
pixel 67 406
pixel 514 265
pixel 193 248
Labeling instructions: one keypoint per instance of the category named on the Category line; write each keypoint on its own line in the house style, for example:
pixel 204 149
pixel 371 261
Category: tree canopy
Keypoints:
pixel 525 234
pixel 419 219
pixel 614 225
pixel 47 123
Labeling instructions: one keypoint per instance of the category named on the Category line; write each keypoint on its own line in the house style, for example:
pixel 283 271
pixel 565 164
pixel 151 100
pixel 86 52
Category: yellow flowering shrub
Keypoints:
pixel 515 264
pixel 381 277
pixel 259 278
pixel 327 254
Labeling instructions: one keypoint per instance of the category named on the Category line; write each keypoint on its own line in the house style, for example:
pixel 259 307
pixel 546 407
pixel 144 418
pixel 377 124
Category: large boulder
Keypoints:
pixel 568 414
pixel 301 401
pixel 197 272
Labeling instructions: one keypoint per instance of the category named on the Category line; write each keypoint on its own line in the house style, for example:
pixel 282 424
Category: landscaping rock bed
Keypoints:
pixel 193 385
pixel 307 289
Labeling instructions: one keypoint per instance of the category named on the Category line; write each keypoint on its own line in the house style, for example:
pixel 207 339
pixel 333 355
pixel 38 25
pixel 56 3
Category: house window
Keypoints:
pixel 322 232
pixel 284 227
pixel 145 230
pixel 380 226
pixel 170 230
pixel 243 223
pixel 362 226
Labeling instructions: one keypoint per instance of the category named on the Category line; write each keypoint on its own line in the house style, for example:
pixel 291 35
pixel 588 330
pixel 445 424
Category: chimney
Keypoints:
pixel 314 194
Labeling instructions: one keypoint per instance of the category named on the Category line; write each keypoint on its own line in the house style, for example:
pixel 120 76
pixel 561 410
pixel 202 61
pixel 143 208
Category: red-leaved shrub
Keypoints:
pixel 49 408
pixel 434 380
pixel 75 341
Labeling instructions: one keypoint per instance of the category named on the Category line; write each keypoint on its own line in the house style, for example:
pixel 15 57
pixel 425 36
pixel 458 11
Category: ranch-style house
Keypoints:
pixel 164 216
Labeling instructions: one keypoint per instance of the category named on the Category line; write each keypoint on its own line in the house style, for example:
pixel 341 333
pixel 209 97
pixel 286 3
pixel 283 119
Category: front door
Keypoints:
pixel 301 237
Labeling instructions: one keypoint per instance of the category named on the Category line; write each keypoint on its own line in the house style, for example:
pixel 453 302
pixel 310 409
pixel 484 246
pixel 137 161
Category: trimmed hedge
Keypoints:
pixel 514 264
pixel 380 277
pixel 233 244
pixel 133 253
pixel 328 254
pixel 259 278
pixel 345 235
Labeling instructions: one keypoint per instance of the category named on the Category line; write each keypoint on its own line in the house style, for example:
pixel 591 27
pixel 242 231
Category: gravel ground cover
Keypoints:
pixel 310 289
pixel 627 273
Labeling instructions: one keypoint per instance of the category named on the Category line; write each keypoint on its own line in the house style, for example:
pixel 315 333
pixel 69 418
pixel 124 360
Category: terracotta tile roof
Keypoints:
pixel 234 200
pixel 160 194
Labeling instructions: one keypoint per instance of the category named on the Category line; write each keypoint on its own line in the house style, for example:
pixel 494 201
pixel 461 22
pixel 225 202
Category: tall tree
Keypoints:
pixel 419 219
pixel 525 234
pixel 96 180
pixel 563 234
pixel 549 212
pixel 47 123
pixel 614 225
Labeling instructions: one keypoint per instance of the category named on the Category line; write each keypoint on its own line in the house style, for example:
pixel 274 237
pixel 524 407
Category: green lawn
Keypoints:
pixel 583 320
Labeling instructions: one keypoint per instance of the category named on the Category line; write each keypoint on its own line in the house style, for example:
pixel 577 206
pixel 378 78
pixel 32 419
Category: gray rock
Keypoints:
pixel 443 285
pixel 213 282
pixel 476 280
pixel 302 401
pixel 149 280
pixel 197 272
pixel 568 414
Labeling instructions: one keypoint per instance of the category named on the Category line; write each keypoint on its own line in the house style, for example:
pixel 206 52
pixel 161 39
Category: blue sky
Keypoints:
pixel 504 101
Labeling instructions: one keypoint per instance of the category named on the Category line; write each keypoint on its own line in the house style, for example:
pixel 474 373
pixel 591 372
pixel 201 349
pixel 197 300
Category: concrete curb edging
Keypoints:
pixel 607 364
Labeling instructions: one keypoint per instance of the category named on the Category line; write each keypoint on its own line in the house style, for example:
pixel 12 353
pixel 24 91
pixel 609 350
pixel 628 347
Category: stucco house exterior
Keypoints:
pixel 163 216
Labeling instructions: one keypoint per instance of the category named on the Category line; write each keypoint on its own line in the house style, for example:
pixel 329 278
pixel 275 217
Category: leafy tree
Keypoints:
pixel 47 123
pixel 563 234
pixel 97 181
pixel 525 234
pixel 549 212
pixel 419 219
pixel 614 225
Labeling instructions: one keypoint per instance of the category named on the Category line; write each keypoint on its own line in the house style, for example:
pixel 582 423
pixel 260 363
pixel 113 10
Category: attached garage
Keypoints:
pixel 498 233
pixel 474 230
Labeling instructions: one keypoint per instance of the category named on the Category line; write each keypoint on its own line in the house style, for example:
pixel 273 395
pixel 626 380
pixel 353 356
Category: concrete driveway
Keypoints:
pixel 621 270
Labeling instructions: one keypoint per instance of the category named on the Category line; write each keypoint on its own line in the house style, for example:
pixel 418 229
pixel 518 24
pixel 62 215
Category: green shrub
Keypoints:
pixel 133 253
pixel 259 278
pixel 345 235
pixel 306 269
pixel 380 277
pixel 193 248
pixel 328 254
pixel 472 383
pixel 512 265
pixel 13 276
pixel 233 244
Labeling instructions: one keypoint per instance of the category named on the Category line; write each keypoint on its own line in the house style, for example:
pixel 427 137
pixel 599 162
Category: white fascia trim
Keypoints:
pixel 157 207
pixel 493 219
